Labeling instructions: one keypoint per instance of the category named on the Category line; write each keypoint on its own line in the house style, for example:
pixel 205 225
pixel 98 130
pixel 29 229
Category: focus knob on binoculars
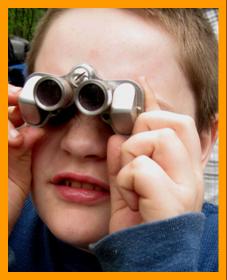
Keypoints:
pixel 118 102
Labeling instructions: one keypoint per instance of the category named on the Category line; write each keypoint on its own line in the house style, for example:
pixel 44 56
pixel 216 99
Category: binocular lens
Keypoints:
pixel 48 92
pixel 91 97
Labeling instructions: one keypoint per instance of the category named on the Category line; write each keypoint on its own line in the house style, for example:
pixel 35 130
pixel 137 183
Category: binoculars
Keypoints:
pixel 45 97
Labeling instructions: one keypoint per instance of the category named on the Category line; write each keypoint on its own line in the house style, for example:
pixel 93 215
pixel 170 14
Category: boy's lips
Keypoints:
pixel 80 188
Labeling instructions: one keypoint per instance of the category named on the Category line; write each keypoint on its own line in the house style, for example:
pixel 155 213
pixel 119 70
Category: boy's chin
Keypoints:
pixel 77 232
pixel 81 238
pixel 77 225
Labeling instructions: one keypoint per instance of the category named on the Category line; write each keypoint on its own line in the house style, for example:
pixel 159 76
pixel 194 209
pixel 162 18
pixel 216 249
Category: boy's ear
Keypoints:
pixel 208 139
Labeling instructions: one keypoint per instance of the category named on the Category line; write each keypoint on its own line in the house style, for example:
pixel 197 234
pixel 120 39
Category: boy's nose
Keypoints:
pixel 86 138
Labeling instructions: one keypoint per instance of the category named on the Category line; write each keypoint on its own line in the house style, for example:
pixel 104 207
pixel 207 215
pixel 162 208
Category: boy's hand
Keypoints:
pixel 20 142
pixel 156 173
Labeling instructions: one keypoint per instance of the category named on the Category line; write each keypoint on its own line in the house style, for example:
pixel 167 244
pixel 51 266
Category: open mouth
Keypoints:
pixel 80 188
pixel 79 181
pixel 80 185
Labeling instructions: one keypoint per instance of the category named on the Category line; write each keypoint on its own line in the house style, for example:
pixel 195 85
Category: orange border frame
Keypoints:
pixel 4 5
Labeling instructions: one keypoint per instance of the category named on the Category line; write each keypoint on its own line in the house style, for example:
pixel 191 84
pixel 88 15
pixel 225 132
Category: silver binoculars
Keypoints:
pixel 45 97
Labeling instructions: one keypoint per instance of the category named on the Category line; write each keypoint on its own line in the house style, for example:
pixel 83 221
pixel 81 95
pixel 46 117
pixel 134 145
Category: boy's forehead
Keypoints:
pixel 108 38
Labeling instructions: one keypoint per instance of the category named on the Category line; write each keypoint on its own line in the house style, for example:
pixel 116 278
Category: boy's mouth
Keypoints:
pixel 80 188
pixel 79 185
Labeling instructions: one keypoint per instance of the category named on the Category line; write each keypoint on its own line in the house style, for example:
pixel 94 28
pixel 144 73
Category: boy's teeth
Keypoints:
pixel 87 186
pixel 81 186
pixel 68 183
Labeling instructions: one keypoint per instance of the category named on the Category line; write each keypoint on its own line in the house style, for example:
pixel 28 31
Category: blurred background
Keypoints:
pixel 21 26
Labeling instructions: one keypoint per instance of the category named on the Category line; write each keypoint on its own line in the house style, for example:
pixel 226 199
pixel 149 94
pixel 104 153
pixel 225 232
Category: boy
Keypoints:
pixel 141 196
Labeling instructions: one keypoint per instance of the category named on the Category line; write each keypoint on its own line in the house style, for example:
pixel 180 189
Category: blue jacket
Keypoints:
pixel 184 243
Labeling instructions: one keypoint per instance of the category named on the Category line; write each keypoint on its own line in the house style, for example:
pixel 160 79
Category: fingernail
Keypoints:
pixel 13 133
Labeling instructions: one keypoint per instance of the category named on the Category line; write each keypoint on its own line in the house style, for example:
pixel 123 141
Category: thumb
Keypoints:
pixel 114 155
pixel 114 166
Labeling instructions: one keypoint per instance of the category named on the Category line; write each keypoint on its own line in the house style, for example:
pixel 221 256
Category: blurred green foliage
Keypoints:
pixel 22 22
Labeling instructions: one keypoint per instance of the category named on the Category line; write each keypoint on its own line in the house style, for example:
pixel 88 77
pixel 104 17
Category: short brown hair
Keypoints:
pixel 198 53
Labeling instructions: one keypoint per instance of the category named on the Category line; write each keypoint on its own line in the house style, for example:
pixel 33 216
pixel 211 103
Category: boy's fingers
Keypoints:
pixel 15 115
pixel 23 139
pixel 183 125
pixel 150 101
pixel 162 146
pixel 13 94
pixel 154 180
pixel 13 89
pixel 12 99
pixel 15 139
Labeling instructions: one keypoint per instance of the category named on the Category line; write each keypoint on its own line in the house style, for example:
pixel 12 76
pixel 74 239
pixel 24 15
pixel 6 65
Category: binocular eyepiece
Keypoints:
pixel 44 96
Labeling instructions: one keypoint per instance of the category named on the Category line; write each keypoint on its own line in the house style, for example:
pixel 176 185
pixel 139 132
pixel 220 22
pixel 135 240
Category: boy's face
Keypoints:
pixel 119 45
